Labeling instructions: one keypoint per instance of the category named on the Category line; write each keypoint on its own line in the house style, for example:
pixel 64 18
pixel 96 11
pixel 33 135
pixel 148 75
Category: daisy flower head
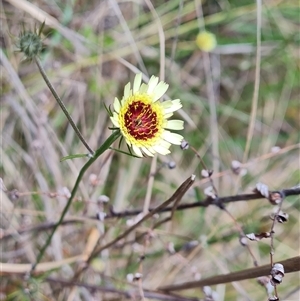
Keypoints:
pixel 143 120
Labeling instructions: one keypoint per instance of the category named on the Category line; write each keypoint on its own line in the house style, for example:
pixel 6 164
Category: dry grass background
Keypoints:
pixel 92 49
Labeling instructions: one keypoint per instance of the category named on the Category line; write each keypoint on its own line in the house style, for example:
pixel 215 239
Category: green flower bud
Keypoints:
pixel 30 43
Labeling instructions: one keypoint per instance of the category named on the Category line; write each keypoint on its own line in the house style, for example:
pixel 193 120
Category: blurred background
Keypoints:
pixel 240 103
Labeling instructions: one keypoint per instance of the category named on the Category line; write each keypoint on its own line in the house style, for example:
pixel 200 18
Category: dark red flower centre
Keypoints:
pixel 141 121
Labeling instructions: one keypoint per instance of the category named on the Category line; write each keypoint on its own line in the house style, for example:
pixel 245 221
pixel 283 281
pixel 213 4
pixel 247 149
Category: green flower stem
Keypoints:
pixel 61 104
pixel 109 141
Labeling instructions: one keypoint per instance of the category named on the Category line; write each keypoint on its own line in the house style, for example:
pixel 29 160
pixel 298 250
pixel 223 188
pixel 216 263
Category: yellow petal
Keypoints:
pixel 114 120
pixel 172 137
pixel 160 90
pixel 161 150
pixel 137 82
pixel 174 125
pixel 127 91
pixel 117 105
pixel 137 150
pixel 152 84
pixel 147 152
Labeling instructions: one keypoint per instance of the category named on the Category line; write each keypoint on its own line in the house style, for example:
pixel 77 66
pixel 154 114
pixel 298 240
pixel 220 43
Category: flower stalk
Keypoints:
pixel 31 45
pixel 61 104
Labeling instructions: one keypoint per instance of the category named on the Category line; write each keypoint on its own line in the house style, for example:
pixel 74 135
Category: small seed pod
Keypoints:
pixel 275 280
pixel 262 189
pixel 101 216
pixel 273 298
pixel 66 192
pixel 93 179
pixel 210 172
pixel 277 274
pixel 210 295
pixel 275 149
pixel 281 217
pixel 103 199
pixel 236 166
pixel 129 277
pixel 184 145
pixel 265 281
pixel 137 276
pixel 277 269
pixel 258 236
pixel 209 191
pixel 14 194
pixel 190 245
pixel 171 164
pixel 275 198
pixel 207 290
pixel 170 248
pixel 243 241
pixel 204 173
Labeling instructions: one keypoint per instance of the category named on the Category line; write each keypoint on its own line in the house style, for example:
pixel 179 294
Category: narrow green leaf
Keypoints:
pixel 74 156
pixel 122 152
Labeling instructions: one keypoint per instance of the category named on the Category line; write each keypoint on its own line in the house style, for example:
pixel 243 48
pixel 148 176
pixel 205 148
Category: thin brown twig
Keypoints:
pixel 128 294
pixel 272 233
pixel 178 194
pixel 253 161
pixel 239 228
pixel 127 213
pixel 210 173
pixel 256 83
pixel 272 241
pixel 16 194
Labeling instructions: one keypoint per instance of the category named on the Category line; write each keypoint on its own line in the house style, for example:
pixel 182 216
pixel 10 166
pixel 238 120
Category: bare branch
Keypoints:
pixel 127 213
pixel 290 265
pixel 129 294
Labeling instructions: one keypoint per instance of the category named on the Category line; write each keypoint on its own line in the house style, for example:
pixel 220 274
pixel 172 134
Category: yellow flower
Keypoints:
pixel 206 41
pixel 143 120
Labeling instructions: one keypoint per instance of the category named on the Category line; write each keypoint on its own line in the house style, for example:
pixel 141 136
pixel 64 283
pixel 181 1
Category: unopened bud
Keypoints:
pixel 206 41
pixel 30 43
pixel 184 145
